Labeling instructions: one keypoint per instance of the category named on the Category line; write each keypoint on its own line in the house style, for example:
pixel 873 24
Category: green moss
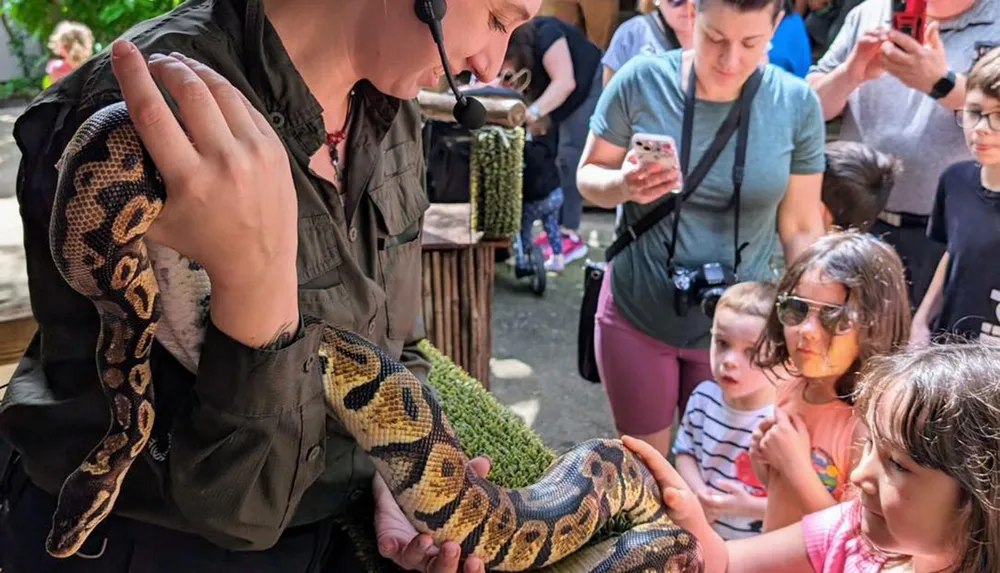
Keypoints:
pixel 496 180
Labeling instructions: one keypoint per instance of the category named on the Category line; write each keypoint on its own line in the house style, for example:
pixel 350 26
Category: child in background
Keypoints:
pixel 712 449
pixel 843 301
pixel 856 184
pixel 73 43
pixel 964 294
pixel 930 497
pixel 542 197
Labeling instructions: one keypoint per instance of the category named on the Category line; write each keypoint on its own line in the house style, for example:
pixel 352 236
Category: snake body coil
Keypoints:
pixel 109 193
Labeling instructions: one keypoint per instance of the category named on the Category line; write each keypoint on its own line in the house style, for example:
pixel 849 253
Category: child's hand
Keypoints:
pixel 684 508
pixel 758 459
pixel 710 503
pixel 786 445
pixel 737 501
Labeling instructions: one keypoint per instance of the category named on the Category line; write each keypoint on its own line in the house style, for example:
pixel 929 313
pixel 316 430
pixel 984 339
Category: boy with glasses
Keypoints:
pixel 964 294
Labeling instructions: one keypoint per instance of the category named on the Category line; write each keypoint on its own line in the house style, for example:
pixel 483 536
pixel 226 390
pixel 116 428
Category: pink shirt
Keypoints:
pixel 833 542
pixel 831 432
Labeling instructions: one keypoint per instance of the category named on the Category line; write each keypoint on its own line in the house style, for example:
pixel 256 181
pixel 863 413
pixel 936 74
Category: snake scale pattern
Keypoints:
pixel 108 194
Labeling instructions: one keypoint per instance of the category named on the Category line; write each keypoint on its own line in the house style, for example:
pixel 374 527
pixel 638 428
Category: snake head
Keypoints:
pixel 67 537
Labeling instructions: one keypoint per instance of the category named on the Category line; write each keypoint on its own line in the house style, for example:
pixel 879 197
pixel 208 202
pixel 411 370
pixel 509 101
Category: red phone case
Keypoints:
pixel 908 17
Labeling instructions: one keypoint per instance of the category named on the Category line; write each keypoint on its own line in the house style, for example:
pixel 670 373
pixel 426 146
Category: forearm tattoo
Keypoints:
pixel 282 338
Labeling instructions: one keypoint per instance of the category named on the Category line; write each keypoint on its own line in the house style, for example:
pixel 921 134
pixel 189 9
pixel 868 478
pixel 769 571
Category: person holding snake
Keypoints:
pixel 293 175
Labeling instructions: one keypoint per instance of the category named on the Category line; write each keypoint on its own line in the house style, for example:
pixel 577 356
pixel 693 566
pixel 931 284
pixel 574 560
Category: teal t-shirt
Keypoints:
pixel 787 136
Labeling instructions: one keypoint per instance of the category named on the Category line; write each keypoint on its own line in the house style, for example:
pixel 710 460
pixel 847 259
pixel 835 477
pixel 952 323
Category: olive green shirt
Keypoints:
pixel 242 449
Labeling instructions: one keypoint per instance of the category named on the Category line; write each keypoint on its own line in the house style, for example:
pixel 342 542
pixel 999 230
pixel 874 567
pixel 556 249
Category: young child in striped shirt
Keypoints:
pixel 712 448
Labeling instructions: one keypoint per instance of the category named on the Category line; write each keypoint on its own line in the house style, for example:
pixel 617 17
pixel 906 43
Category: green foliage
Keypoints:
pixel 496 183
pixel 19 88
pixel 107 19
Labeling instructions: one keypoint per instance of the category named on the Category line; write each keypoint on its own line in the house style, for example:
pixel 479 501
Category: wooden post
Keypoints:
pixel 506 112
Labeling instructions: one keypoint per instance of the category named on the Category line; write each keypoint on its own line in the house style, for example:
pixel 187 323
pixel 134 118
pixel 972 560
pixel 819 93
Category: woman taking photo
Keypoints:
pixel 565 84
pixel 651 353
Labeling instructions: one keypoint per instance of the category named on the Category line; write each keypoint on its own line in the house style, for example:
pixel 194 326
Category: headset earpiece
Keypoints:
pixel 430 11
pixel 468 111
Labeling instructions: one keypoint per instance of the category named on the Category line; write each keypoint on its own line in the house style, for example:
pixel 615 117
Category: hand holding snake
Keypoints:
pixel 232 209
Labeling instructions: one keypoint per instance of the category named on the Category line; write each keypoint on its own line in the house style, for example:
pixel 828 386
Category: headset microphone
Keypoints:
pixel 468 111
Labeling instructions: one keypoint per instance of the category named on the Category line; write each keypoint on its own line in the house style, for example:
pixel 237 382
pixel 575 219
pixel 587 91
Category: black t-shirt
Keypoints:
pixel 586 58
pixel 966 217
pixel 541 176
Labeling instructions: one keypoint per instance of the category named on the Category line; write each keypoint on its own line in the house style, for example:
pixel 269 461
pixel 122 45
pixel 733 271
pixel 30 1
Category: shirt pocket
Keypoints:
pixel 323 292
pixel 401 202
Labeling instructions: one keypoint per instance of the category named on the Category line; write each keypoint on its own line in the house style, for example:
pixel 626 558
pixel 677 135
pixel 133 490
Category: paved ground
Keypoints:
pixel 534 338
pixel 534 349
pixel 9 155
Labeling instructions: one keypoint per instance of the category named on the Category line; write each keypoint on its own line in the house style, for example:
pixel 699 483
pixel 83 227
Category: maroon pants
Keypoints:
pixel 646 380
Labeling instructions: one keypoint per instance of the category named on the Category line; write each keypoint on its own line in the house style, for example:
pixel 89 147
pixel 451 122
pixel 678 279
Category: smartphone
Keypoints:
pixel 908 17
pixel 651 148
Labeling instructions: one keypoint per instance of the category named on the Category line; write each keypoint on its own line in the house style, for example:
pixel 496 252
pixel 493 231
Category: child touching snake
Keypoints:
pixel 929 490
pixel 841 303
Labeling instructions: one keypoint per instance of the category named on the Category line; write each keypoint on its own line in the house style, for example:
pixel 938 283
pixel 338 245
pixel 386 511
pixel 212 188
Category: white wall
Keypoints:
pixel 9 66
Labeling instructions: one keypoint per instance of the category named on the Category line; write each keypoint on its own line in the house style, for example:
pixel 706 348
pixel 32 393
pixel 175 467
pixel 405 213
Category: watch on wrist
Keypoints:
pixel 943 86
pixel 535 111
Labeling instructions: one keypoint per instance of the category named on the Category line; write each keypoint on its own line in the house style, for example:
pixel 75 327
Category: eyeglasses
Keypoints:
pixel 969 118
pixel 793 311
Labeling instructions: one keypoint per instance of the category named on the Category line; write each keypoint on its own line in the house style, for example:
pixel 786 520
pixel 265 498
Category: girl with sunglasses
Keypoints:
pixel 843 301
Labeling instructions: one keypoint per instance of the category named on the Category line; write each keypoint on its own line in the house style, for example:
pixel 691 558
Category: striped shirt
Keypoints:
pixel 718 438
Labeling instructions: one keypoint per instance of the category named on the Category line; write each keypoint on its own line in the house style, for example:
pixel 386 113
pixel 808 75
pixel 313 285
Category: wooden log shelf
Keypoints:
pixel 458 270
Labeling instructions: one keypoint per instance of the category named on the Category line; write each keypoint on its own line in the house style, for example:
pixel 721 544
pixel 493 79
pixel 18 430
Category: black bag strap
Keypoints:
pixel 664 33
pixel 742 109
pixel 692 180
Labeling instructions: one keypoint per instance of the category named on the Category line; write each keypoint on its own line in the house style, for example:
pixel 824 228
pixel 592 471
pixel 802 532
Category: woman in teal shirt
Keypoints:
pixel 649 355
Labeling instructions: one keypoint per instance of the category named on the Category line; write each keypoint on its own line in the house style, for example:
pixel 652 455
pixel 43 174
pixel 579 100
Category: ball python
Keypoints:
pixel 108 194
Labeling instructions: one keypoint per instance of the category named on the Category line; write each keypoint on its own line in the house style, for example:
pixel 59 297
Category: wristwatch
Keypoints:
pixel 535 111
pixel 943 86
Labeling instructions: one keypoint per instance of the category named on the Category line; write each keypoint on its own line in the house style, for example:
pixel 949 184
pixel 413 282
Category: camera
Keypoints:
pixel 702 287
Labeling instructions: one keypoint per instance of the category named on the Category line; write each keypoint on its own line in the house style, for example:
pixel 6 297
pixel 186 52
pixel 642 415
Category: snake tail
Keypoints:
pixel 108 195
pixel 400 424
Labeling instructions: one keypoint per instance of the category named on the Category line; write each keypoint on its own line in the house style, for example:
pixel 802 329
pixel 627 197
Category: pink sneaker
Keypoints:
pixel 573 248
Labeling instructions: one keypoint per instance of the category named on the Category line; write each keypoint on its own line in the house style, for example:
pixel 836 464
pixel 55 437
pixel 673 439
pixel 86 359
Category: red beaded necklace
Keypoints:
pixel 336 138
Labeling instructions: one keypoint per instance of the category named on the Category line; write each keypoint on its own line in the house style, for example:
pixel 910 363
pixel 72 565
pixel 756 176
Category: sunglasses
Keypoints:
pixel 793 311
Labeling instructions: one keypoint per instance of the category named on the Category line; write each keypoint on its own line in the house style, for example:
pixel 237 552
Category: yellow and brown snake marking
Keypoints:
pixel 108 195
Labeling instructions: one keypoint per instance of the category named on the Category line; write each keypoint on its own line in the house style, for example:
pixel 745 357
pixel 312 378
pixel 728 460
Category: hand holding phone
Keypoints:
pixel 651 168
pixel 660 149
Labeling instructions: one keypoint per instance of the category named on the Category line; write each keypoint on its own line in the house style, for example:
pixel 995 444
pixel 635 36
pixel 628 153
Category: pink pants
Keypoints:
pixel 646 380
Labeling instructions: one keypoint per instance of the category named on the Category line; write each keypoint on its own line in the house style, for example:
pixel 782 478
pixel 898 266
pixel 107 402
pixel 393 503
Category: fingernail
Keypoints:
pixel 121 48
pixel 156 56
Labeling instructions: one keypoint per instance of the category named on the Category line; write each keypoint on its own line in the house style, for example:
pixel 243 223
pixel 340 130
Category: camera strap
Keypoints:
pixel 691 181
pixel 739 120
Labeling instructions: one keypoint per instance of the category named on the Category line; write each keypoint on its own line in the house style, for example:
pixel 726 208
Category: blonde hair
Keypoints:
pixel 76 39
pixel 749 298
pixel 646 6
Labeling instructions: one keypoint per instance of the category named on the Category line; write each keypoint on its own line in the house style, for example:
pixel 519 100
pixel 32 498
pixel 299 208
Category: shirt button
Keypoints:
pixel 371 326
pixel 354 496
pixel 353 234
pixel 308 364
pixel 313 453
pixel 277 119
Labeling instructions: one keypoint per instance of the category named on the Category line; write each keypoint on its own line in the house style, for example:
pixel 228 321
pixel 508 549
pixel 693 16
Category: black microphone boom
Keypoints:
pixel 468 111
